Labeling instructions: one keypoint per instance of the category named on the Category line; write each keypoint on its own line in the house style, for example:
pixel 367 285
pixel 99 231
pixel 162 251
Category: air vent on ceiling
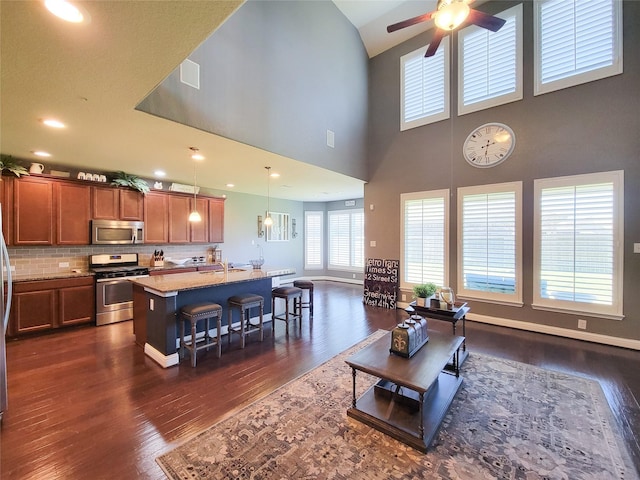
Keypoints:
pixel 190 73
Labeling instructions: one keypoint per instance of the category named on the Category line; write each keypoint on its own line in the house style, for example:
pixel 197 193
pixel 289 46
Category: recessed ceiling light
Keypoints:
pixel 40 153
pixel 231 185
pixel 197 156
pixel 159 173
pixel 66 11
pixel 275 175
pixel 53 123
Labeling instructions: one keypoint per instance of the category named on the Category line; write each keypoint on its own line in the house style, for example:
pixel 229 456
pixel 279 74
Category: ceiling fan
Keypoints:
pixel 448 15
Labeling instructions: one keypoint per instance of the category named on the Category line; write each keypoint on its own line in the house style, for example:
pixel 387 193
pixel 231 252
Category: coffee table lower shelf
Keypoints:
pixel 398 413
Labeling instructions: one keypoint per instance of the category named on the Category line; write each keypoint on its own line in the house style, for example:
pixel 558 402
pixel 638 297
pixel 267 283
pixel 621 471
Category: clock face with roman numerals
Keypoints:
pixel 489 145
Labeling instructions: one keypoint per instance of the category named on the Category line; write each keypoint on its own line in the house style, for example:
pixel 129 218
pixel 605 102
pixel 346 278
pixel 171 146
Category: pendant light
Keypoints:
pixel 194 216
pixel 268 220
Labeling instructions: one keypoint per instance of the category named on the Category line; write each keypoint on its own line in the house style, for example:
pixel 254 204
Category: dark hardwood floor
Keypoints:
pixel 87 403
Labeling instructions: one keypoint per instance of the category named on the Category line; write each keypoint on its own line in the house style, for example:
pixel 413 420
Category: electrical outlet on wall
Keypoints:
pixel 582 324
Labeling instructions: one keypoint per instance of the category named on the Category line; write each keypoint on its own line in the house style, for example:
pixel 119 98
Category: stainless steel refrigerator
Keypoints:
pixel 5 306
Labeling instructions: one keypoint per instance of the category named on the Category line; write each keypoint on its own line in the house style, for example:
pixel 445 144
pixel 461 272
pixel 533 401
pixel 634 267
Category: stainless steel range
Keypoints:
pixel 114 291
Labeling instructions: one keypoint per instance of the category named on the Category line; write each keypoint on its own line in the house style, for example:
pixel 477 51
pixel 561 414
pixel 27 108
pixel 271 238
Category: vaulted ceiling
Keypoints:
pixel 92 78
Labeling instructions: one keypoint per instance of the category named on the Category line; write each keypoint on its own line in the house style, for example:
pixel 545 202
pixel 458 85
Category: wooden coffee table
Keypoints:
pixel 413 394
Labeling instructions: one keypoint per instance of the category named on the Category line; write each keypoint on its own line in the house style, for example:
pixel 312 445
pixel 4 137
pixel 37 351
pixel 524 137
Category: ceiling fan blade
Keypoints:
pixel 485 20
pixel 435 43
pixel 411 21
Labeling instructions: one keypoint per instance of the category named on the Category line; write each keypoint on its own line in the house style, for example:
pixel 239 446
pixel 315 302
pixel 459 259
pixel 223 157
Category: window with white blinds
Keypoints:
pixel 576 41
pixel 425 238
pixel 578 234
pixel 346 239
pixel 313 240
pixel 490 242
pixel 490 64
pixel 424 85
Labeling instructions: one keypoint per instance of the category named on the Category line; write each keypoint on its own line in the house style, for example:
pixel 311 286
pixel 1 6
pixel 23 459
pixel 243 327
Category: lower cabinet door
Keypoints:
pixel 33 311
pixel 76 305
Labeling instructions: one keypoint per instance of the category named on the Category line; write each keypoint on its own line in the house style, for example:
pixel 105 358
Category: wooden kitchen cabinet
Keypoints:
pixel 42 305
pixel 73 213
pixel 156 220
pixel 109 203
pixel 181 230
pixel 216 220
pixel 6 197
pixel 33 218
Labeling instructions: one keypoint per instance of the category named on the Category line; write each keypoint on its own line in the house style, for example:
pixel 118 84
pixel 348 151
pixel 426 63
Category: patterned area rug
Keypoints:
pixel 509 421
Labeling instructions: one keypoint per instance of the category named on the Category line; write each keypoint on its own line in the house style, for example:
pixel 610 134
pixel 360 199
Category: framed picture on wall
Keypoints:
pixel 279 230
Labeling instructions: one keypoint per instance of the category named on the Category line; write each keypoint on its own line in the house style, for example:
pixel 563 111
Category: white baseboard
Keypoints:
pixel 353 281
pixel 165 361
pixel 558 331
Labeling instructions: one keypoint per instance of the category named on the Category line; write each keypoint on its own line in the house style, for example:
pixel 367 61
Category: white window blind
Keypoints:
pixel 424 87
pixel 576 41
pixel 578 255
pixel 313 239
pixel 346 239
pixel 490 64
pixel 489 254
pixel 425 236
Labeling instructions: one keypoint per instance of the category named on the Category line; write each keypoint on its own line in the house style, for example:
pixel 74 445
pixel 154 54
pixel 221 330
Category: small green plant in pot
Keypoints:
pixel 424 291
pixel 9 164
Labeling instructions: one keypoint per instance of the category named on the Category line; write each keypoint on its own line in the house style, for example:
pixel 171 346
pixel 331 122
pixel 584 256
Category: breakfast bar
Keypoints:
pixel 159 298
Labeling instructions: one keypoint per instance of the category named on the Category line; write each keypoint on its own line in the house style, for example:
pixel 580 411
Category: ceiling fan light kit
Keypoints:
pixel 449 15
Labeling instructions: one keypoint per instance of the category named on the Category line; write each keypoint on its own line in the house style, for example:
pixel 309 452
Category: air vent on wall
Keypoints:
pixel 190 73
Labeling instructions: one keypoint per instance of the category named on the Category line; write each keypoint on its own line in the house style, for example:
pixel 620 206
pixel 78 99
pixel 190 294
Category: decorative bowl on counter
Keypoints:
pixel 177 261
pixel 256 264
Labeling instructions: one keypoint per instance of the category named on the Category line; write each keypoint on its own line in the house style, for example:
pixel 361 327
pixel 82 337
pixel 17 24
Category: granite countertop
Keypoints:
pixel 177 282
pixel 48 276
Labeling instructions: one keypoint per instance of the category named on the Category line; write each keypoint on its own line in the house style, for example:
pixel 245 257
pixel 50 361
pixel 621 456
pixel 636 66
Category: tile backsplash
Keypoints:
pixel 35 261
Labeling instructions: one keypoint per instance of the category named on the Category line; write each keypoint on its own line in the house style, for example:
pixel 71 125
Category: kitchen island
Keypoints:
pixel 159 299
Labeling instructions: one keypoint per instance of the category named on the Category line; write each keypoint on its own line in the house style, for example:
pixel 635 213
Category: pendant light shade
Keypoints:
pixel 194 216
pixel 268 221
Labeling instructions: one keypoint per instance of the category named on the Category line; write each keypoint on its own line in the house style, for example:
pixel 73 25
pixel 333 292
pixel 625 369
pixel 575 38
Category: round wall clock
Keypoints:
pixel 489 145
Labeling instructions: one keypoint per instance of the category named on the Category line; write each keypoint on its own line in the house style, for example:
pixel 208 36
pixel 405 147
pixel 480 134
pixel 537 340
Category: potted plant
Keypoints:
pixel 123 179
pixel 8 163
pixel 424 291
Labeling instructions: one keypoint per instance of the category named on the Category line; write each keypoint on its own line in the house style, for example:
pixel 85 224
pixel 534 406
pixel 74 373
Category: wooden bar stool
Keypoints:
pixel 306 285
pixel 195 313
pixel 245 302
pixel 287 294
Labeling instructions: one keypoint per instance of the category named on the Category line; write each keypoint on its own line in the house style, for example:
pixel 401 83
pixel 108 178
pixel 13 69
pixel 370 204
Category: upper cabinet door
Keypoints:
pixel 33 211
pixel 73 213
pixel 131 205
pixel 105 203
pixel 216 220
pixel 200 230
pixel 156 218
pixel 109 203
pixel 179 209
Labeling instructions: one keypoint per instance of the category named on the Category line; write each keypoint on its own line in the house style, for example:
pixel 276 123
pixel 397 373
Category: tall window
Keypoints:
pixel 313 240
pixel 578 235
pixel 576 41
pixel 346 239
pixel 490 64
pixel 490 242
pixel 425 238
pixel 424 84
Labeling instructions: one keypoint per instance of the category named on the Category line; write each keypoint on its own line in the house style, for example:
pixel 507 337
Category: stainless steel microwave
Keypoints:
pixel 114 232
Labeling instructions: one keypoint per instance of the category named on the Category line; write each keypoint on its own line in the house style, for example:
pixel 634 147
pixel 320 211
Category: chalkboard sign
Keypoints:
pixel 381 282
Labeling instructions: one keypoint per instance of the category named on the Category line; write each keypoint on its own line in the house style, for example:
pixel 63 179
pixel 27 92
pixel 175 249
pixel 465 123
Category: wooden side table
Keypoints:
pixel 458 312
